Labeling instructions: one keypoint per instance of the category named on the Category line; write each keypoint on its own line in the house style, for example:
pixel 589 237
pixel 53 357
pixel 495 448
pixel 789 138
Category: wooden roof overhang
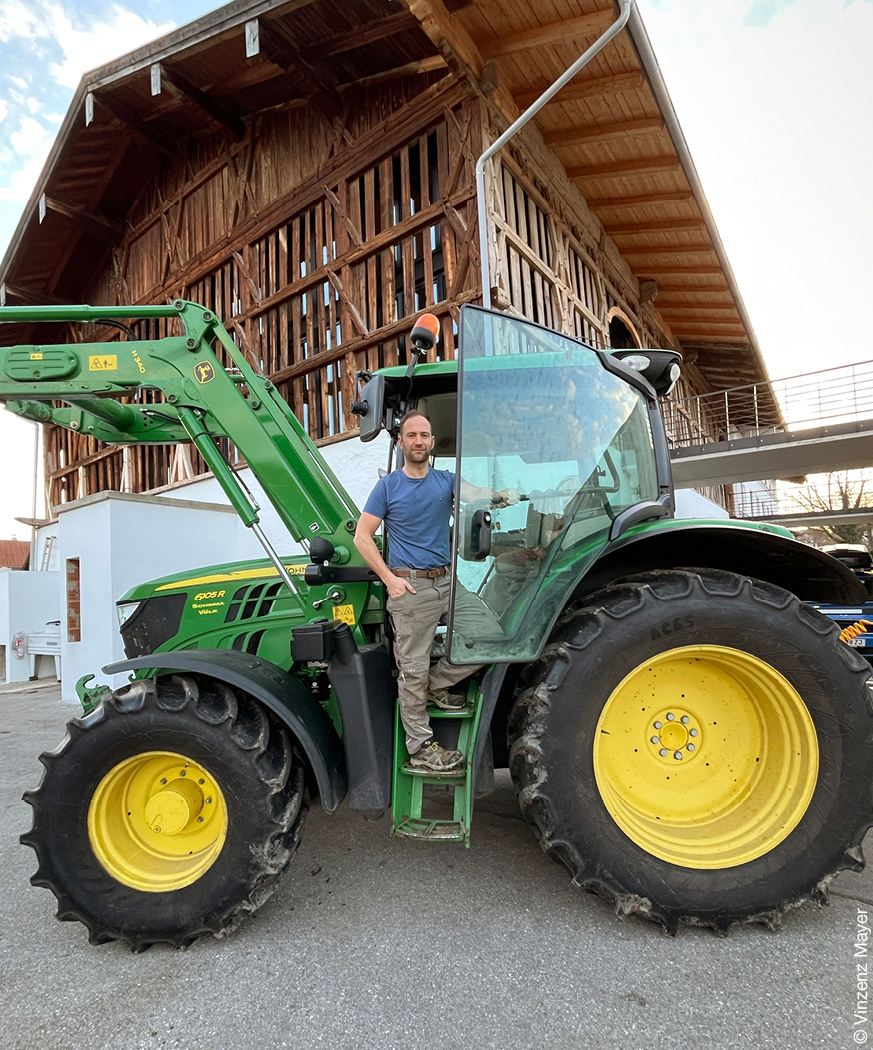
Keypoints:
pixel 613 128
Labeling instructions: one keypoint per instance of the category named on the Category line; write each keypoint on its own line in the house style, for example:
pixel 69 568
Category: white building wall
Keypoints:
pixel 121 540
pixel 28 601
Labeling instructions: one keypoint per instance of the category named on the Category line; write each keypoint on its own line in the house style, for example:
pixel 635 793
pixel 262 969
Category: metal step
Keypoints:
pixel 434 774
pixel 462 712
pixel 432 830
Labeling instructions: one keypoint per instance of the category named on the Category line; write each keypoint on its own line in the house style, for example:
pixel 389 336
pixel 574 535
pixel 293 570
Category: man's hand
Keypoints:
pixel 395 586
pixel 506 498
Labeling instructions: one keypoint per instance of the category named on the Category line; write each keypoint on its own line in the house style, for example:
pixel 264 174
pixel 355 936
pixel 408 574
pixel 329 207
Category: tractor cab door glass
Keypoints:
pixel 569 444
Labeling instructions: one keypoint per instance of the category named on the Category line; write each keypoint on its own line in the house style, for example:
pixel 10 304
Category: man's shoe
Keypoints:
pixel 432 756
pixel 447 701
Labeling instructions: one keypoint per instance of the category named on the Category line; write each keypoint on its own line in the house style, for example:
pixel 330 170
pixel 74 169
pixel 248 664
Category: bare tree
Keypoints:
pixel 844 490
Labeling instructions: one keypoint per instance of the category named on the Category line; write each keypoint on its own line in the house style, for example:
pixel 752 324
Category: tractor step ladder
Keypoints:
pixel 408 797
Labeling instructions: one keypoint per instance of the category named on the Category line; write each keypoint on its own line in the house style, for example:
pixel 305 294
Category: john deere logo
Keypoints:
pixel 203 371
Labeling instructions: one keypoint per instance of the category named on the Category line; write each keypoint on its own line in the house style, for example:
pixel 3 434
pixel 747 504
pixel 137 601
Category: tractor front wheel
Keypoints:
pixel 695 746
pixel 169 812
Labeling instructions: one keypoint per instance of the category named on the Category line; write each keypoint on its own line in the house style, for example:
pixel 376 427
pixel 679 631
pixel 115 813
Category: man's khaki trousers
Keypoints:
pixel 414 618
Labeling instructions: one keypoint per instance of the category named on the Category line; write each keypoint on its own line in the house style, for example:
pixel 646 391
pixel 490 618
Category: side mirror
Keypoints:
pixel 370 407
pixel 477 536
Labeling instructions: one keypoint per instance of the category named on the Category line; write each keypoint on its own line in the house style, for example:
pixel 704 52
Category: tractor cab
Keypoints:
pixel 575 431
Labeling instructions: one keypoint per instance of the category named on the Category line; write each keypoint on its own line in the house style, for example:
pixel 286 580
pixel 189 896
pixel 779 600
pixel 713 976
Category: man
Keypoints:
pixel 415 503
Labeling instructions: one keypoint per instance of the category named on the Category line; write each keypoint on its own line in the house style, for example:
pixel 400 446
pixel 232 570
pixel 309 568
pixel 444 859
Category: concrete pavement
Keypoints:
pixel 384 943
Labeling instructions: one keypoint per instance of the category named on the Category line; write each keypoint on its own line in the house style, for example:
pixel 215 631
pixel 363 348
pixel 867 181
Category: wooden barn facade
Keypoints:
pixel 306 170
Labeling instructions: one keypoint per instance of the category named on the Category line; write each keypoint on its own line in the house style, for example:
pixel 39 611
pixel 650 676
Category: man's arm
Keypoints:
pixel 368 524
pixel 473 493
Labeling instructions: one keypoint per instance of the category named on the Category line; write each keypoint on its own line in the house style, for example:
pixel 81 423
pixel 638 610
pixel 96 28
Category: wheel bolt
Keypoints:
pixel 677 755
pixel 654 740
pixel 670 716
pixel 690 747
pixel 163 780
pixel 658 725
pixel 201 781
pixel 200 820
pixel 693 732
pixel 183 773
pixel 685 720
pixel 663 752
pixel 208 800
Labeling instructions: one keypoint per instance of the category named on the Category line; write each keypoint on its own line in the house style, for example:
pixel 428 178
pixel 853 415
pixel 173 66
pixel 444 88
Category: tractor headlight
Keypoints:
pixel 638 362
pixel 124 611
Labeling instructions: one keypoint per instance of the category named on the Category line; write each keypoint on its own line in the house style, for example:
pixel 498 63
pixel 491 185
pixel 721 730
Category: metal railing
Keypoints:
pixel 787 500
pixel 815 399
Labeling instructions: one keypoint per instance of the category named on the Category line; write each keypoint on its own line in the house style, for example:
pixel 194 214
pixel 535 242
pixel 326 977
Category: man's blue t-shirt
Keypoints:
pixel 416 513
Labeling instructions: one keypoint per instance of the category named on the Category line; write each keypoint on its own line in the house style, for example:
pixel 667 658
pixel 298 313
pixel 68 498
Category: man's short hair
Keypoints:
pixel 412 415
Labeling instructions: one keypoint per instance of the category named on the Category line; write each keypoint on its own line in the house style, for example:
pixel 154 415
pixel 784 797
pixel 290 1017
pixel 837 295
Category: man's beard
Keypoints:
pixel 417 457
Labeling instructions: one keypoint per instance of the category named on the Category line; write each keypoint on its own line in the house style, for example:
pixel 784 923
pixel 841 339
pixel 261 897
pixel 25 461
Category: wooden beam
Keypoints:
pixel 709 330
pixel 579 88
pixel 668 197
pixel 681 306
pixel 133 123
pixel 30 296
pixel 564 137
pixel 368 33
pixel 456 45
pixel 257 73
pixel 88 222
pixel 568 29
pixel 210 107
pixel 668 225
pixel 638 166
pixel 426 65
pixel 658 272
pixel 669 249
pixel 316 82
pixel 440 27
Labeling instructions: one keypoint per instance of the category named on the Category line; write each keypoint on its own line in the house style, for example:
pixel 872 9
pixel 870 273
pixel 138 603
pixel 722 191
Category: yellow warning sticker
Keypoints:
pixel 36 357
pixel 103 363
pixel 345 613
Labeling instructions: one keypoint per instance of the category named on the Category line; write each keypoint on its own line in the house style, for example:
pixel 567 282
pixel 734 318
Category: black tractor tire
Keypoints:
pixel 563 735
pixel 221 733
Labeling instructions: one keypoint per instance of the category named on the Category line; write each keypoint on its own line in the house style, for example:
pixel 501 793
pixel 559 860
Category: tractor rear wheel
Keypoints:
pixel 695 746
pixel 169 812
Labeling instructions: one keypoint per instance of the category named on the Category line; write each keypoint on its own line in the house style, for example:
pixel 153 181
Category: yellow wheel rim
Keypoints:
pixel 157 821
pixel 706 757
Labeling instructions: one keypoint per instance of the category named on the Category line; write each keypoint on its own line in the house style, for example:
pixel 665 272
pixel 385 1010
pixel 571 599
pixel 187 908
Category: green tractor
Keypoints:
pixel 684 734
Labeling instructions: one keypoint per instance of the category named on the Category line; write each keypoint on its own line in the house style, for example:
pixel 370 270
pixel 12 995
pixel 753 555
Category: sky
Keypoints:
pixel 773 97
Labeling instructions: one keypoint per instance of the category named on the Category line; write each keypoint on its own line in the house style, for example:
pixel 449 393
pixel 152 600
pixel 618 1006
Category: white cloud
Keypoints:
pixel 19 82
pixel 99 42
pixel 30 143
pixel 4 110
pixel 20 21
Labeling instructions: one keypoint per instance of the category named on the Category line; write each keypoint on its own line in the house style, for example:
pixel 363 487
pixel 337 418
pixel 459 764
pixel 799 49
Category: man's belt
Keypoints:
pixel 421 574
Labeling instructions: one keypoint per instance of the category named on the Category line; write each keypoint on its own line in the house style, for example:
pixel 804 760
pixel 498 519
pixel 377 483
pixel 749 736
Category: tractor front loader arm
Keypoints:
pixel 100 386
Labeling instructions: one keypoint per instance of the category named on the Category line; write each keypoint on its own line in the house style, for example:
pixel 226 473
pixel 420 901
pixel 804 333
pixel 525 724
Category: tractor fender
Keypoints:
pixel 283 694
pixel 810 574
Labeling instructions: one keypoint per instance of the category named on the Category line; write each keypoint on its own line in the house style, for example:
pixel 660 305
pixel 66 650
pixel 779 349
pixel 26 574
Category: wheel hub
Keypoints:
pixel 674 735
pixel 173 808
pixel 157 821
